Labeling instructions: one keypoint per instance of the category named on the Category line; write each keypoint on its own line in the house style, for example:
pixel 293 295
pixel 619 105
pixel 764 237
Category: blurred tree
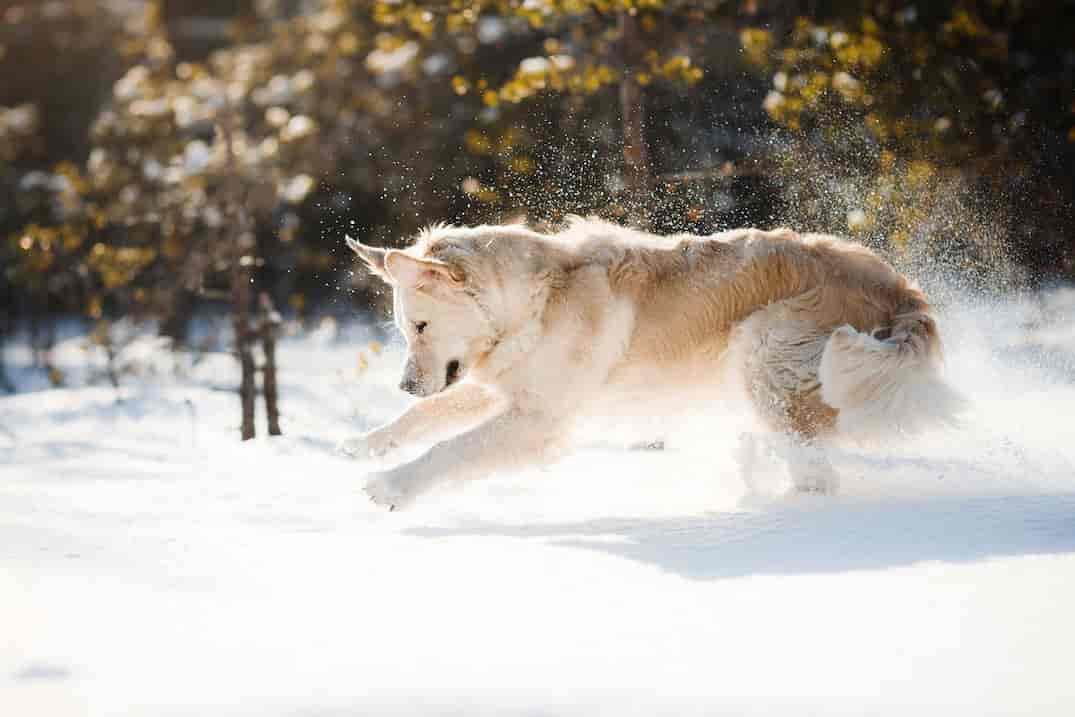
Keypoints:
pixel 946 127
pixel 582 51
pixel 195 161
pixel 58 60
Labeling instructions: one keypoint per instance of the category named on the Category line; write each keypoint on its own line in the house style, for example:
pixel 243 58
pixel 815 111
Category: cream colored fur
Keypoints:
pixel 548 328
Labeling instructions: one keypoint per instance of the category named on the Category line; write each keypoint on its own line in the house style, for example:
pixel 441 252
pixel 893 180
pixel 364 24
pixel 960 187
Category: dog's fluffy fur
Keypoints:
pixel 513 335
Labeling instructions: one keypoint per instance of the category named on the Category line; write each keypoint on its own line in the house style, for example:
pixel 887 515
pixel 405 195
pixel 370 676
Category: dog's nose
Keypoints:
pixel 409 385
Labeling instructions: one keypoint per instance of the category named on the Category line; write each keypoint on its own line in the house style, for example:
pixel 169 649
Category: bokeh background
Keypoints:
pixel 164 158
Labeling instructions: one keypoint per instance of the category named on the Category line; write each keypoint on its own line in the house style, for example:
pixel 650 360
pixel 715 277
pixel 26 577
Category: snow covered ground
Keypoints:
pixel 150 564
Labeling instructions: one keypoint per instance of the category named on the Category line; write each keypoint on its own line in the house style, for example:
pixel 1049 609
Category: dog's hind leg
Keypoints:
pixel 780 359
pixel 807 462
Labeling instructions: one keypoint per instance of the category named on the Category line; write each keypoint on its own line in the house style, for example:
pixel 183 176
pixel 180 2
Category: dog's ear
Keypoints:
pixel 417 273
pixel 372 256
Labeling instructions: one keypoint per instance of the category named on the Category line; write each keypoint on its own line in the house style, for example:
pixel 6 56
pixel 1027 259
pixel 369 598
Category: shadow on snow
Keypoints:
pixel 809 539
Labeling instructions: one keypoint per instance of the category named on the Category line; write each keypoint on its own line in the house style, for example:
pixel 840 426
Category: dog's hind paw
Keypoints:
pixel 826 484
pixel 387 490
pixel 811 472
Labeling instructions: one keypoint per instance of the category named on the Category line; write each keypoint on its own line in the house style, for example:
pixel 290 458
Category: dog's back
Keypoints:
pixel 824 330
pixel 829 333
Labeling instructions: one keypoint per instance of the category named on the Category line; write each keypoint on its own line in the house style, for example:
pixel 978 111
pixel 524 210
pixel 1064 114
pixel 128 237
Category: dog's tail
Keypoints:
pixel 890 377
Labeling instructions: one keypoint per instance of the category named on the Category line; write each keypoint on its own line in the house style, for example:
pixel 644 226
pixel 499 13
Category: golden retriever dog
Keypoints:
pixel 514 335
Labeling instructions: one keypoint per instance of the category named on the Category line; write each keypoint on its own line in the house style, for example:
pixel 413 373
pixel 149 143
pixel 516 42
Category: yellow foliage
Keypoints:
pixel 963 24
pixel 173 247
pixel 421 21
pixel 477 142
pixel 919 172
pixel 876 125
pixel 676 69
pixel 118 266
pixel 348 43
pixel 37 249
pixel 522 164
pixel 508 139
pixel 865 52
pixel 757 44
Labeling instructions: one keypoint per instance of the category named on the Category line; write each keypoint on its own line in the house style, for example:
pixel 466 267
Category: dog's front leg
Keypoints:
pixel 507 442
pixel 457 409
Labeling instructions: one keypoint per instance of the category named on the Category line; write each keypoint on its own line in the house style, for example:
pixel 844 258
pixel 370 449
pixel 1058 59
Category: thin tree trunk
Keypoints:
pixel 110 366
pixel 633 114
pixel 269 323
pixel 240 298
pixel 241 268
pixel 34 322
pixel 176 322
pixel 56 377
pixel 6 384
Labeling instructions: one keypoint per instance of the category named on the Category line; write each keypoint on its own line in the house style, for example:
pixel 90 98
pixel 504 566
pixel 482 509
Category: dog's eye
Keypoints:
pixel 420 326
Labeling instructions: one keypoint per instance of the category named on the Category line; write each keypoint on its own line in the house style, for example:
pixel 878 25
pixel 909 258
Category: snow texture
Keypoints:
pixel 151 564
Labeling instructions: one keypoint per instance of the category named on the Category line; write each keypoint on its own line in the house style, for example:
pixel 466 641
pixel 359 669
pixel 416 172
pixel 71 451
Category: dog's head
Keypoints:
pixel 439 312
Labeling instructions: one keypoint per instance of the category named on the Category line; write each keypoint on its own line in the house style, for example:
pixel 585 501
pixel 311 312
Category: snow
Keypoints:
pixel 151 564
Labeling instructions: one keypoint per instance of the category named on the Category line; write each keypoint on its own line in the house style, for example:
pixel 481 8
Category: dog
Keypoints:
pixel 514 335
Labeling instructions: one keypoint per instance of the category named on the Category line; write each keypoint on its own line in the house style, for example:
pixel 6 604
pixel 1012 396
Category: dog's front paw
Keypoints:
pixel 368 446
pixel 390 490
pixel 355 447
